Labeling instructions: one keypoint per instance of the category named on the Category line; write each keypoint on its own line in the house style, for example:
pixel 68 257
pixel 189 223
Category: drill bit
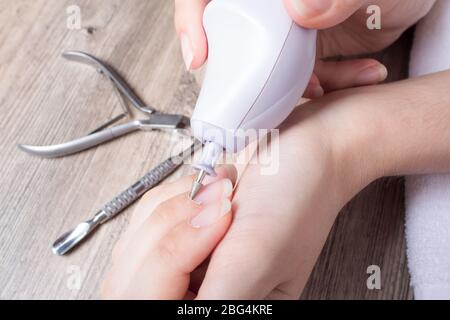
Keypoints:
pixel 210 155
pixel 197 184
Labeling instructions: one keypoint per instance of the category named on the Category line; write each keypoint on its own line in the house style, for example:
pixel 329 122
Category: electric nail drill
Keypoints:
pixel 259 64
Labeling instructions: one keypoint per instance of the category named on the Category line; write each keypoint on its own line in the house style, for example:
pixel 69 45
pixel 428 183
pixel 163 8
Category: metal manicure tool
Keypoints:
pixel 154 120
pixel 70 239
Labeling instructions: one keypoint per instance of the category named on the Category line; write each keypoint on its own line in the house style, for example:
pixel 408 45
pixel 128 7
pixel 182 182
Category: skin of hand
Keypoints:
pixel 156 256
pixel 330 148
pixel 342 32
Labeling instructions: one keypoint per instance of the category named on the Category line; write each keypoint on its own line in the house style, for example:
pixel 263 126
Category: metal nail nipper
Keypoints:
pixel 154 120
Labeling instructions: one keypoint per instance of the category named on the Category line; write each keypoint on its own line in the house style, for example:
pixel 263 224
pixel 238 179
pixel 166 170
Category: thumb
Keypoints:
pixel 321 14
pixel 189 26
pixel 178 236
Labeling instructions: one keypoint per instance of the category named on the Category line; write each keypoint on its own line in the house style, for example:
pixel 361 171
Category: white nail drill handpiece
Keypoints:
pixel 259 64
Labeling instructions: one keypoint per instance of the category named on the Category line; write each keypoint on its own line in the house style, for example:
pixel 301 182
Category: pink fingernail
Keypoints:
pixel 220 189
pixel 371 75
pixel 318 92
pixel 211 213
pixel 186 49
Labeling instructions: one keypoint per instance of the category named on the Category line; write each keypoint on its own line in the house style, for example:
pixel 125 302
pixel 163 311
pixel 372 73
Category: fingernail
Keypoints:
pixel 314 91
pixel 211 213
pixel 308 8
pixel 318 92
pixel 371 75
pixel 214 191
pixel 186 49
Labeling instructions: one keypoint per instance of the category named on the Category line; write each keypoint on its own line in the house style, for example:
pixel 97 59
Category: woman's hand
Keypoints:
pixel 156 256
pixel 343 31
pixel 330 149
pixel 343 23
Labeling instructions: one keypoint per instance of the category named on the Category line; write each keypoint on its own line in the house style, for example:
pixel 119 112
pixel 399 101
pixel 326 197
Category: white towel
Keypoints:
pixel 428 196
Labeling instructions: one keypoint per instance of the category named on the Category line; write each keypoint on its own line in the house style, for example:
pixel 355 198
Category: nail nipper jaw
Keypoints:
pixel 163 121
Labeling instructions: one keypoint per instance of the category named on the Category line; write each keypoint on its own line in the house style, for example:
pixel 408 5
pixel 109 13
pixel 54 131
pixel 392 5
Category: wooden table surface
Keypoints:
pixel 45 99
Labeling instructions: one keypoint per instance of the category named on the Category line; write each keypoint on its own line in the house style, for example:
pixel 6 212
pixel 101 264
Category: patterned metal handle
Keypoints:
pixel 150 180
pixel 72 238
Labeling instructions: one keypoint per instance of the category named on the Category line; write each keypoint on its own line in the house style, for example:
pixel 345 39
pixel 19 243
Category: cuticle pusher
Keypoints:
pixel 72 238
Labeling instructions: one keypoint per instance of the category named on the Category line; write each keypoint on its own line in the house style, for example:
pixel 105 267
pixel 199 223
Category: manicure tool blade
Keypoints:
pixel 197 184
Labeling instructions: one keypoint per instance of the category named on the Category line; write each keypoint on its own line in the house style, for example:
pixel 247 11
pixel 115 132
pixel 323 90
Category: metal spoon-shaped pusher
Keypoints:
pixel 72 238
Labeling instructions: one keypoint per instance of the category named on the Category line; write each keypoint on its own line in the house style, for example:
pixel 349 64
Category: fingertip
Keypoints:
pixel 372 74
pixel 314 89
pixel 383 72
pixel 214 192
pixel 313 92
pixel 187 245
pixel 189 26
pixel 321 14
pixel 307 13
pixel 293 13
pixel 199 47
pixel 193 48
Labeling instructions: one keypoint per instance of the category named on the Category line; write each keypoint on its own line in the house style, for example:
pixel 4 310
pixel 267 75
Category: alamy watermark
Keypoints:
pixel 374 280
pixel 374 20
pixel 73 21
pixel 74 278
pixel 259 148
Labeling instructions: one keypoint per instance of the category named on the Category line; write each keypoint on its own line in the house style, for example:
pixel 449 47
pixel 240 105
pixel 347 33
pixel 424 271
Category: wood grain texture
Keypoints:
pixel 45 99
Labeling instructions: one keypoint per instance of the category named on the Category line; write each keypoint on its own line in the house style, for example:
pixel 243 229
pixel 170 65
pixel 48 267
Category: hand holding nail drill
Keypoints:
pixel 163 253
pixel 260 63
pixel 342 32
